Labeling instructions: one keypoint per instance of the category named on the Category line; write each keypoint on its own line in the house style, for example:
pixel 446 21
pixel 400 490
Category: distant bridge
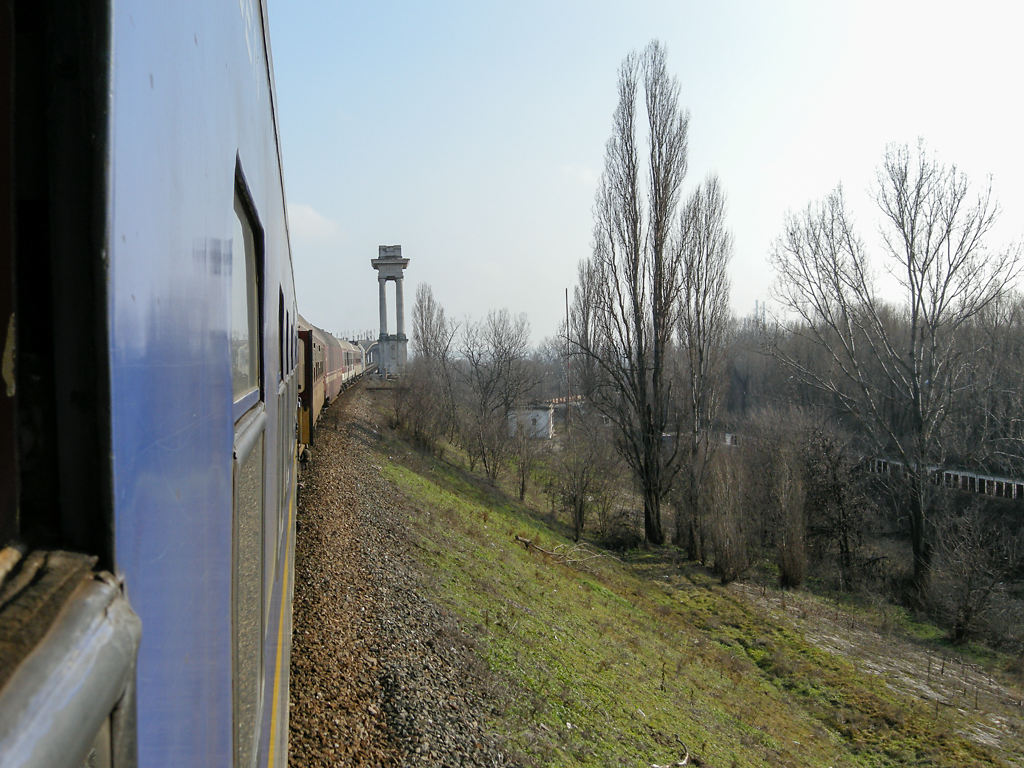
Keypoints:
pixel 959 479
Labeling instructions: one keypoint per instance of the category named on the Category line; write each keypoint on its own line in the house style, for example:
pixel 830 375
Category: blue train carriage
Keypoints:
pixel 147 432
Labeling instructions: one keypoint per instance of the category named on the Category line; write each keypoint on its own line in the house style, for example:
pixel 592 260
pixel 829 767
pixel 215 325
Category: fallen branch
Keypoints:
pixel 529 544
pixel 684 761
pixel 575 555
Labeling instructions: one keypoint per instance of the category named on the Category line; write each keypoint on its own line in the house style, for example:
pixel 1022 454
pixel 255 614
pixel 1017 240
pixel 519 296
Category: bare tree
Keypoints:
pixel 788 494
pixel 432 332
pixel 427 398
pixel 978 556
pixel 755 377
pixel 584 373
pixel 494 376
pixel 587 469
pixel 703 327
pixel 990 407
pixel 729 526
pixel 635 272
pixel 527 449
pixel 895 369
pixel 838 506
pixel 547 367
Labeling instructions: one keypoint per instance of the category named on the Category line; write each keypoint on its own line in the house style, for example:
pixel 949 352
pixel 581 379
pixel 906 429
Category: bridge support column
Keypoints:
pixel 392 347
pixel 400 306
pixel 382 285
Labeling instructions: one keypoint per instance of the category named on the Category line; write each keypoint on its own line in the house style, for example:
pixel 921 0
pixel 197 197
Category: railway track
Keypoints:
pixel 379 675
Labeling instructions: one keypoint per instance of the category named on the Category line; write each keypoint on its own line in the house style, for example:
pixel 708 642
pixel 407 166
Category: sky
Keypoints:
pixel 473 133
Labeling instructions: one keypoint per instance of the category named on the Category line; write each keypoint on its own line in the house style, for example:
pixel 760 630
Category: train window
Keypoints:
pixel 245 308
pixel 248 376
pixel 248 596
pixel 280 335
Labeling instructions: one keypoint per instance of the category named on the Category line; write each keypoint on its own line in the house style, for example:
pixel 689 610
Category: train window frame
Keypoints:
pixel 288 340
pixel 249 476
pixel 281 331
pixel 245 212
pixel 248 670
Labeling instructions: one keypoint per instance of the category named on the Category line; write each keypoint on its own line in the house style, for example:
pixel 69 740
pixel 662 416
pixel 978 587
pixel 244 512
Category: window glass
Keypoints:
pixel 248 602
pixel 280 336
pixel 245 348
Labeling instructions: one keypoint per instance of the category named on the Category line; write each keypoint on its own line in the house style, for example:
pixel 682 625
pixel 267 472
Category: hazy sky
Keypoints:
pixel 472 133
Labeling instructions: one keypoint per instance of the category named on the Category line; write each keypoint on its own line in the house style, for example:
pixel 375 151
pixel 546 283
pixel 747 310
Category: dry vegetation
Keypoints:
pixel 842 414
pixel 642 657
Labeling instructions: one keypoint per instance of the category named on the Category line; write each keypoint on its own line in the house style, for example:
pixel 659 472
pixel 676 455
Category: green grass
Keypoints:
pixel 624 662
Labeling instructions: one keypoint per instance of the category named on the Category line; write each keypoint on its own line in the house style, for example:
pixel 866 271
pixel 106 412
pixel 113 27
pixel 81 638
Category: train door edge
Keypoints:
pixel 80 641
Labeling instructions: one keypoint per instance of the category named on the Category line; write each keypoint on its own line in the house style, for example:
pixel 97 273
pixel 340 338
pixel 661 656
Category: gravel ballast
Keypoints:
pixel 380 675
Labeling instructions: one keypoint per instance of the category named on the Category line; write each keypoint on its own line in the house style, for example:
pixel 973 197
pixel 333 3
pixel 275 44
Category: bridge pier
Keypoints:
pixel 393 348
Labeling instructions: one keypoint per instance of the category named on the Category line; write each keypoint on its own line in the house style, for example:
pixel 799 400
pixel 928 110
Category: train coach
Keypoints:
pixel 150 375
pixel 327 365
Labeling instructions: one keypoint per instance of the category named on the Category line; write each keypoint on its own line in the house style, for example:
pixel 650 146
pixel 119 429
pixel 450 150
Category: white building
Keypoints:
pixel 537 421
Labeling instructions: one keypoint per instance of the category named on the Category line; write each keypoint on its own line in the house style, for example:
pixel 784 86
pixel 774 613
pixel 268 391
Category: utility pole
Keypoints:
pixel 568 376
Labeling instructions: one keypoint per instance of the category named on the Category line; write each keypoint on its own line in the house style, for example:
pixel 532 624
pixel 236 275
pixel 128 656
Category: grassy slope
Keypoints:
pixel 622 663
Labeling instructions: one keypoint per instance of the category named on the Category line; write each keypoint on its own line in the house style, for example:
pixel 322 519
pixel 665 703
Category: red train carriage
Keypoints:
pixel 333 365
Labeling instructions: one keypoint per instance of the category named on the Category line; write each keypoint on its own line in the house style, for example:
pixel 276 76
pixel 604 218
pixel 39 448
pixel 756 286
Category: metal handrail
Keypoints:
pixel 72 695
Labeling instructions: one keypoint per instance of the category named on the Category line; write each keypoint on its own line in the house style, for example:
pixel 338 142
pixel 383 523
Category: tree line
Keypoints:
pixel 908 346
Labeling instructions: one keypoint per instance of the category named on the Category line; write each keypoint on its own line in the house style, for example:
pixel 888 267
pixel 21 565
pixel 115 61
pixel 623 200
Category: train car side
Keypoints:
pixel 311 375
pixel 333 365
pixel 153 252
pixel 334 372
pixel 204 467
pixel 353 362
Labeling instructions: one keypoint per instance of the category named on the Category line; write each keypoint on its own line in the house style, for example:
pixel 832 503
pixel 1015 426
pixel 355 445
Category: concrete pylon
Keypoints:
pixel 393 348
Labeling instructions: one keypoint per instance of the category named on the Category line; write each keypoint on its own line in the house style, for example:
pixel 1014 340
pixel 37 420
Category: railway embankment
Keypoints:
pixel 456 611
pixel 380 674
